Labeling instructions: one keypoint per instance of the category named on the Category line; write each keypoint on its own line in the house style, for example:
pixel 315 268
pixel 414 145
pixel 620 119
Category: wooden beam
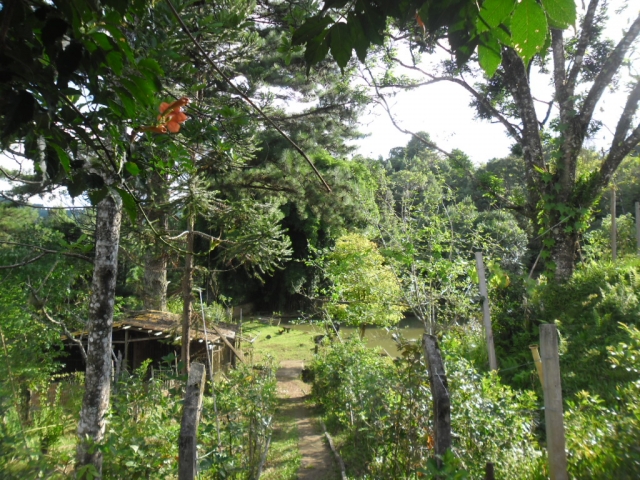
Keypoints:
pixel 228 343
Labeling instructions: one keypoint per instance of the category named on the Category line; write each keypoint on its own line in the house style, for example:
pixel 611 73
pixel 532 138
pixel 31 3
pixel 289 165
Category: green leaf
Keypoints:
pixel 341 44
pixel 127 102
pixel 132 168
pixel 561 13
pixel 316 50
pixel 494 12
pixel 115 62
pixel 358 38
pixel 528 29
pixel 96 196
pixel 489 58
pixel 63 156
pixel 310 29
pixel 128 203
pixel 373 23
pixel 102 40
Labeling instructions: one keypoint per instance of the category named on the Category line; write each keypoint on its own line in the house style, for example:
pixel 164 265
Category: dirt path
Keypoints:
pixel 317 462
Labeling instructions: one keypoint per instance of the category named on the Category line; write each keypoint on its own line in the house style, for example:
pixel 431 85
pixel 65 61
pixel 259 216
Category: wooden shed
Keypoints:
pixel 153 335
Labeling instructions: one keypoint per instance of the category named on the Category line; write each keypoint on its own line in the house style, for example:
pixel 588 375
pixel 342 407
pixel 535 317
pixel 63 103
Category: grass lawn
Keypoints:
pixel 281 345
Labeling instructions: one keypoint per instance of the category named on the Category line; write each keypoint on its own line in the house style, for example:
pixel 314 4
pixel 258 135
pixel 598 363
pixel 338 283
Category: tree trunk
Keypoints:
pixel 362 328
pixel 155 263
pixel 155 279
pixel 564 253
pixel 187 297
pixel 95 402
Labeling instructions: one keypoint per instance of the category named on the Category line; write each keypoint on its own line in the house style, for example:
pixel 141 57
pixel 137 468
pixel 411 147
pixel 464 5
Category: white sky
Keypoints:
pixel 442 110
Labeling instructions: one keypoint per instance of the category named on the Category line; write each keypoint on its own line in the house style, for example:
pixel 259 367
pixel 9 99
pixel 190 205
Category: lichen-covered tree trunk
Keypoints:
pixel 155 283
pixel 95 402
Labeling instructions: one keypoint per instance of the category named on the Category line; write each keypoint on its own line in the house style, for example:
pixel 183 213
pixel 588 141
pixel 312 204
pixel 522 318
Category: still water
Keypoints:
pixel 410 328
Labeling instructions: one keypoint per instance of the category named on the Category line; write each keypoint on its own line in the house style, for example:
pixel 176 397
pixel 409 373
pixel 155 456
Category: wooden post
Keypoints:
pixel 614 229
pixel 126 350
pixel 553 414
pixel 440 394
pixel 187 453
pixel 486 312
pixel 638 226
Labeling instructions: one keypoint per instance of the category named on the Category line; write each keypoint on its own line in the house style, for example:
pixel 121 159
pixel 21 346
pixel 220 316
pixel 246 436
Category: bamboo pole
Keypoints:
pixel 486 312
pixel 553 413
pixel 538 362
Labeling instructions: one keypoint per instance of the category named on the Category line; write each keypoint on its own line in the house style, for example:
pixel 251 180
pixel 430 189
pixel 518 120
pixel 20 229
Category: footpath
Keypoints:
pixel 316 462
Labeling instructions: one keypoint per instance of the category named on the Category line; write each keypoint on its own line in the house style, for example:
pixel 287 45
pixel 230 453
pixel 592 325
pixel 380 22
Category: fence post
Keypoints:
pixel 187 453
pixel 638 226
pixel 440 394
pixel 553 414
pixel 486 312
pixel 614 229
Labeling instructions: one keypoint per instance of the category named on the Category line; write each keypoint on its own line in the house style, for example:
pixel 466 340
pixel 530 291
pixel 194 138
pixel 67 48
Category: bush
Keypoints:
pixel 382 413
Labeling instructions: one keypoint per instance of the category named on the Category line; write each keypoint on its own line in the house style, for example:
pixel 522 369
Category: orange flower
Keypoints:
pixel 171 115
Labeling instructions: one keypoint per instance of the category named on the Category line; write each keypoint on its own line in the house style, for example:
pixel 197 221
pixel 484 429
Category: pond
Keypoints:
pixel 411 328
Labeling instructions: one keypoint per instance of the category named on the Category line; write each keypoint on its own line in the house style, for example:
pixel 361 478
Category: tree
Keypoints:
pixel 511 40
pixel 364 291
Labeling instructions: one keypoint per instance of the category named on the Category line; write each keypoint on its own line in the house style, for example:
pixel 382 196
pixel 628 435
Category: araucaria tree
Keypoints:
pixel 510 40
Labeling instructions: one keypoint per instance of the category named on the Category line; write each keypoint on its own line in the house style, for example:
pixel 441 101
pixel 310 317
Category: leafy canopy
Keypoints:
pixel 365 290
pixel 341 27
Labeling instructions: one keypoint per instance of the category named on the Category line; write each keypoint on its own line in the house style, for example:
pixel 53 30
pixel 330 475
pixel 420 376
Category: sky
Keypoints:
pixel 442 110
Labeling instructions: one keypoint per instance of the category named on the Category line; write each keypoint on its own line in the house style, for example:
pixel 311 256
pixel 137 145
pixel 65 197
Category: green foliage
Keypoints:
pixel 344 26
pixel 364 291
pixel 144 425
pixel 597 245
pixel 381 411
pixel 491 421
pixel 587 310
pixel 601 438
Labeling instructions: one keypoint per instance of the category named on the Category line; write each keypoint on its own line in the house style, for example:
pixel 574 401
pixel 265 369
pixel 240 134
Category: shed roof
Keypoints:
pixel 169 325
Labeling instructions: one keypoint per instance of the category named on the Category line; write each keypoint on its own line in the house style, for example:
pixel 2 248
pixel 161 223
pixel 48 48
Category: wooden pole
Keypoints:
pixel 440 394
pixel 486 312
pixel 553 414
pixel 638 226
pixel 614 229
pixel 187 450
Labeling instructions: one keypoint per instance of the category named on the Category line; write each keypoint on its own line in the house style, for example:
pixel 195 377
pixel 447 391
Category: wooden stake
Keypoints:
pixel 614 229
pixel 486 312
pixel 187 453
pixel 553 414
pixel 440 394
pixel 538 362
pixel 638 226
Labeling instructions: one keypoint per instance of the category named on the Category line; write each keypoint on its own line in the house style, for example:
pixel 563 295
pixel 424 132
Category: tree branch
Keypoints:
pixel 45 252
pixel 383 103
pixel 588 31
pixel 609 69
pixel 66 331
pixel 244 96
pixel 22 264
pixel 511 129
